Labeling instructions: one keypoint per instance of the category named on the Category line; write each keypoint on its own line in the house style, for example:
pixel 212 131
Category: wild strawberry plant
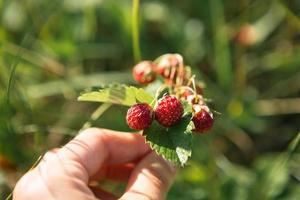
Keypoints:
pixel 170 115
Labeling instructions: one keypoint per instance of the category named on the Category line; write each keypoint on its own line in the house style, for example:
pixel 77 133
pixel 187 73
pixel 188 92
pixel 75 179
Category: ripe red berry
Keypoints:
pixel 167 65
pixel 247 35
pixel 143 72
pixel 139 116
pixel 168 111
pixel 203 121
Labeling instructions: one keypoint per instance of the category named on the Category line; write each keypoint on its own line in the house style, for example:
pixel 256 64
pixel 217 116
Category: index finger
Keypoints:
pixel 94 147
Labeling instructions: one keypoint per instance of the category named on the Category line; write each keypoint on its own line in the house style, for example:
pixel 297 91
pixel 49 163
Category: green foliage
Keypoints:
pixel 175 143
pixel 117 94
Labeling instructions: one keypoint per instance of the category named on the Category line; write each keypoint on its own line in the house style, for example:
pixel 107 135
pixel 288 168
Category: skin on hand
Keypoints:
pixel 98 154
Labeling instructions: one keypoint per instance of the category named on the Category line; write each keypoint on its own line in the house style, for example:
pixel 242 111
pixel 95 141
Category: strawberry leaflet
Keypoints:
pixel 174 143
pixel 117 94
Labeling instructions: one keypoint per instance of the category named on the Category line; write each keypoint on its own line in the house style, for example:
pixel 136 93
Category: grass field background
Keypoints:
pixel 247 52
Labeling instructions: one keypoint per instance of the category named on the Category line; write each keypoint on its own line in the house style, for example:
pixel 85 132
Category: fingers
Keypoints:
pixel 151 179
pixel 120 172
pixel 30 186
pixel 94 147
pixel 52 179
pixel 102 194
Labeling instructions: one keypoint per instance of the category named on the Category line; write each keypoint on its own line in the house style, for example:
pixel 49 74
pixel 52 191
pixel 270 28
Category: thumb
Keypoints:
pixel 151 179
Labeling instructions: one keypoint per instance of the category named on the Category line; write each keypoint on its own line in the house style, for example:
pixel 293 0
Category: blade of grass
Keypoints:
pixel 12 75
pixel 293 145
pixel 222 59
pixel 135 30
pixel 47 63
pixel 265 185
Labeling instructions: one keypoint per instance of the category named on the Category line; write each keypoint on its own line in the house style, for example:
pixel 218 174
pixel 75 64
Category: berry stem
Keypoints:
pixel 153 102
pixel 194 84
pixel 187 87
pixel 180 74
pixel 195 88
pixel 173 73
pixel 96 114
pixel 190 81
pixel 216 112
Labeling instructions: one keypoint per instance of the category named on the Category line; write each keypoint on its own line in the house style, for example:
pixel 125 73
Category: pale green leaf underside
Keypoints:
pixel 117 94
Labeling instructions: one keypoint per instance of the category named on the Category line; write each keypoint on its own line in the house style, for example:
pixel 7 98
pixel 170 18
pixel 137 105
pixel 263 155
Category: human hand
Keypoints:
pixel 98 154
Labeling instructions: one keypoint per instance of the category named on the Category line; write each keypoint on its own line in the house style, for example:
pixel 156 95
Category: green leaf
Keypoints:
pixel 160 140
pixel 187 107
pixel 174 143
pixel 181 136
pixel 117 94
pixel 272 176
pixel 163 91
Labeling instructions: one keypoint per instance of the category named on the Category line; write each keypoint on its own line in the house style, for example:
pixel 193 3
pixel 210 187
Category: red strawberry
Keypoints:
pixel 168 111
pixel 139 116
pixel 143 72
pixel 203 121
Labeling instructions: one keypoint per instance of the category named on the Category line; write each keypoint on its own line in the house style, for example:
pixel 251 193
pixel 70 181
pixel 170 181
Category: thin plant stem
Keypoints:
pixel 13 70
pixel 9 196
pixel 135 30
pixel 96 114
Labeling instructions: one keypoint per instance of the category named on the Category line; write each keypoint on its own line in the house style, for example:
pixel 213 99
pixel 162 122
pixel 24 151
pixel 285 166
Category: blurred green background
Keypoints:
pixel 246 51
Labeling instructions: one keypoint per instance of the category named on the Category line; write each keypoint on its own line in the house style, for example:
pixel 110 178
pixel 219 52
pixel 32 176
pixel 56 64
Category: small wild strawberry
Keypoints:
pixel 139 116
pixel 143 72
pixel 203 121
pixel 168 111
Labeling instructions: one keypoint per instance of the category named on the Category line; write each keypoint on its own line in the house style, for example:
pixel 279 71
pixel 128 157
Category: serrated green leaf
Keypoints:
pixel 160 140
pixel 117 94
pixel 143 96
pixel 181 136
pixel 173 144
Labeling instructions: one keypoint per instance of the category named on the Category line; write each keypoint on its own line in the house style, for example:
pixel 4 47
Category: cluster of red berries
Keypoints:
pixel 169 109
pixel 167 112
